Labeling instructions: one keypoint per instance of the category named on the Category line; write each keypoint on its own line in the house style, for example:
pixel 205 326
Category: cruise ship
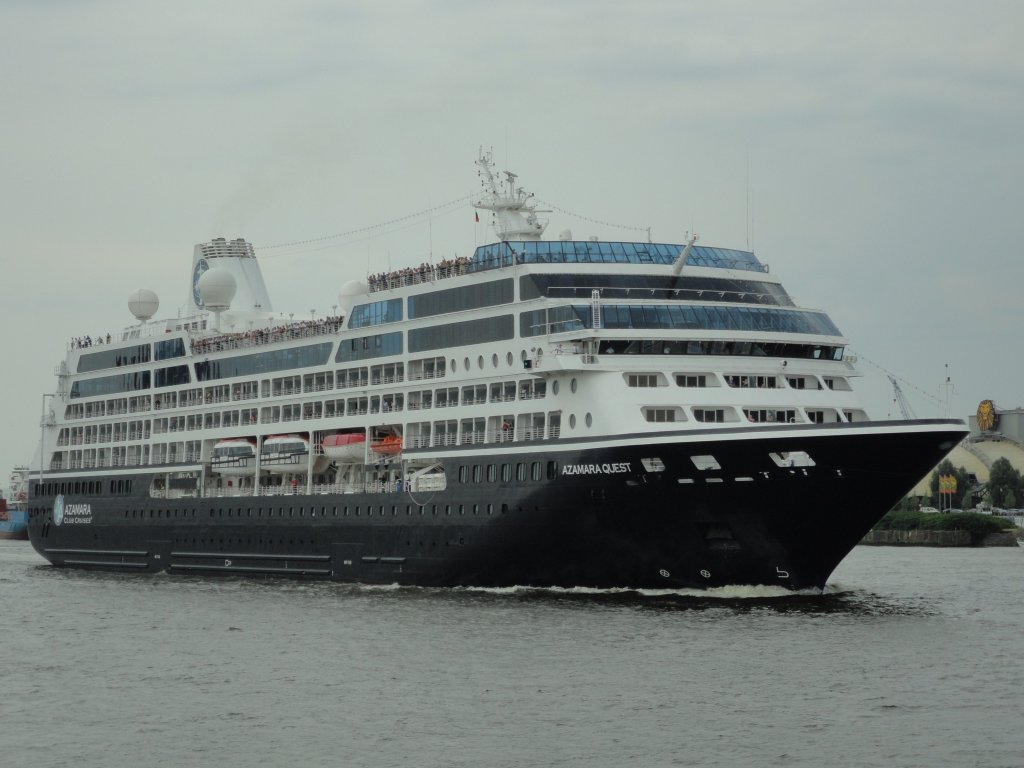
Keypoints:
pixel 541 413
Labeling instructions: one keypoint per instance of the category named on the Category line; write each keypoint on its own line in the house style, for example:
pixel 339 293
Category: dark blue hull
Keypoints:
pixel 596 517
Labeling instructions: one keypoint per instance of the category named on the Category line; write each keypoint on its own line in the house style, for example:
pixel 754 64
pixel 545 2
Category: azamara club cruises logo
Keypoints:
pixel 58 510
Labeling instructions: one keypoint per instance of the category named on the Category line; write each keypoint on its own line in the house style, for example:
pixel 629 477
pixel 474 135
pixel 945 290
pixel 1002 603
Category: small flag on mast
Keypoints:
pixel 477 214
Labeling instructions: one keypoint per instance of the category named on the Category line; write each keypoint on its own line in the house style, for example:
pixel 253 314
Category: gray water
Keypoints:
pixel 911 657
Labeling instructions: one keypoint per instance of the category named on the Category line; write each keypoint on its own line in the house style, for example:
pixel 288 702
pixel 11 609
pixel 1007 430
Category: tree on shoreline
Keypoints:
pixel 1005 485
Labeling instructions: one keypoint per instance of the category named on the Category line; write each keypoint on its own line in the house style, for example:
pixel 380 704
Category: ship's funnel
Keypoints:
pixel 237 259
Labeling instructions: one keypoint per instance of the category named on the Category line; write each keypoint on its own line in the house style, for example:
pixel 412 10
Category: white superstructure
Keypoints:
pixel 524 342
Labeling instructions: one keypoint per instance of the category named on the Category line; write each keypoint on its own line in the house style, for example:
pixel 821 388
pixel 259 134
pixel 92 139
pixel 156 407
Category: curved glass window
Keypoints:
pixel 375 313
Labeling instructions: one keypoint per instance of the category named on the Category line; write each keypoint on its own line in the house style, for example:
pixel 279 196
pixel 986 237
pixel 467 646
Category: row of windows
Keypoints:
pixel 357 510
pixel 461 299
pixel 119 487
pixel 752 382
pixel 642 380
pixel 263 362
pixel 365 347
pixel 681 287
pixel 108 385
pixel 676 317
pixel 707 347
pixel 482 331
pixel 114 358
pixel 524 470
pixel 593 252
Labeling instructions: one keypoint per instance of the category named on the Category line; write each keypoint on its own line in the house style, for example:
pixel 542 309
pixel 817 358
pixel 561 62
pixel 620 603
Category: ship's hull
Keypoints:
pixel 602 516
pixel 15 526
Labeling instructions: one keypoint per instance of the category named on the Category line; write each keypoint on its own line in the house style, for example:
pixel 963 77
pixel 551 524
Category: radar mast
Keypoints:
pixel 515 215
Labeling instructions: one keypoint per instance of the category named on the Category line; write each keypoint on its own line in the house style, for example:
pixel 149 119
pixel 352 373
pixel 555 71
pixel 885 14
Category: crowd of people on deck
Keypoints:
pixel 256 336
pixel 81 342
pixel 424 273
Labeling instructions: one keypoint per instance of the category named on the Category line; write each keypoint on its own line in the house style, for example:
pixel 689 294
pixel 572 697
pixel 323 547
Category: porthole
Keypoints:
pixel 465 363
pixel 494 359
pixel 480 362
pixel 554 387
pixel 572 420
pixel 522 354
pixel 572 386
pixel 509 358
pixel 589 420
pixel 452 365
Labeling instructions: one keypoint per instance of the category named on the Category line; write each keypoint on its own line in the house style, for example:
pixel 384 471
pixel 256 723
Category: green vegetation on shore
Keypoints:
pixel 979 526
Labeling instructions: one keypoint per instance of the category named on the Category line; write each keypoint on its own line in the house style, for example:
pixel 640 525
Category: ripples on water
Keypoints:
pixel 908 657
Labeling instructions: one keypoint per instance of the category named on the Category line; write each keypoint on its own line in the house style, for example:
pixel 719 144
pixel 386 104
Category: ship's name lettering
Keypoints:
pixel 77 513
pixel 595 469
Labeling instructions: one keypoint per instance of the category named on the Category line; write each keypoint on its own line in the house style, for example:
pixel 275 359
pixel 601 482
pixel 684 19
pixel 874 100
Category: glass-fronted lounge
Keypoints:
pixel 593 252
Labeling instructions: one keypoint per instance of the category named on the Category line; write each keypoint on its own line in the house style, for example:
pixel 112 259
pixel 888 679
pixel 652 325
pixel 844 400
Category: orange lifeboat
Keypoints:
pixel 349 447
pixel 389 446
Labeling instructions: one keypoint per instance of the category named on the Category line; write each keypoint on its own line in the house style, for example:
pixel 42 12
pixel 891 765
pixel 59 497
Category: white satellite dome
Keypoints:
pixel 349 291
pixel 354 288
pixel 217 288
pixel 143 304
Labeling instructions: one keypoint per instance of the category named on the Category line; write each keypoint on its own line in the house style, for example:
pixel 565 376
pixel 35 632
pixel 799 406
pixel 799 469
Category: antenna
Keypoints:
pixel 950 391
pixel 748 198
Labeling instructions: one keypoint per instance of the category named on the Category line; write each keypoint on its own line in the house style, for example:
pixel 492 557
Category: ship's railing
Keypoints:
pixel 172 493
pixel 256 337
pixel 426 375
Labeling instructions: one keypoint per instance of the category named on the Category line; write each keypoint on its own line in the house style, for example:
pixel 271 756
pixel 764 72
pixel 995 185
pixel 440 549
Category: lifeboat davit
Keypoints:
pixel 348 448
pixel 389 446
pixel 234 456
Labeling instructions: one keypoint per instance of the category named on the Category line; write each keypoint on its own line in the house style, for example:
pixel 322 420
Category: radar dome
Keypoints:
pixel 217 288
pixel 354 288
pixel 348 294
pixel 143 304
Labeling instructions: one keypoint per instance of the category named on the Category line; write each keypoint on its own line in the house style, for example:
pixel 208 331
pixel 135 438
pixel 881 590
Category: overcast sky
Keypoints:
pixel 879 145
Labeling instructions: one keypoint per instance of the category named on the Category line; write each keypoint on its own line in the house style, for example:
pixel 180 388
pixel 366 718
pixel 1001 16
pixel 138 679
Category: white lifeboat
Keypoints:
pixel 234 456
pixel 348 448
pixel 283 454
